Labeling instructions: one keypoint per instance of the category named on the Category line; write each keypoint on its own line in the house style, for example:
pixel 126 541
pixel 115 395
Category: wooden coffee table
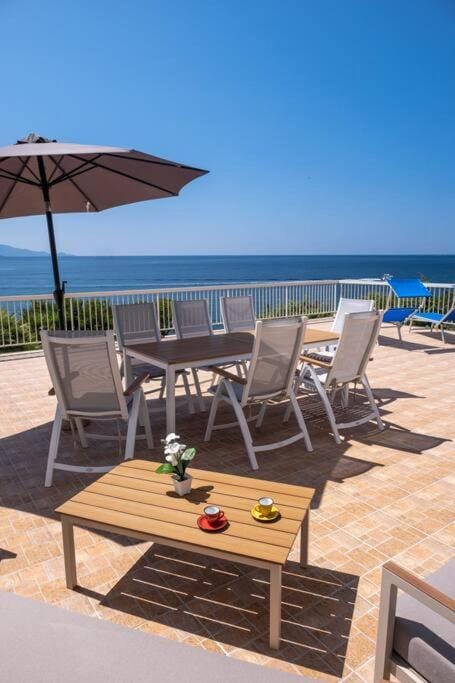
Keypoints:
pixel 133 500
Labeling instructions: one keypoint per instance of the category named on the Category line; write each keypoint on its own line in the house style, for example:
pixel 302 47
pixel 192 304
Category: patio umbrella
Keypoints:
pixel 40 176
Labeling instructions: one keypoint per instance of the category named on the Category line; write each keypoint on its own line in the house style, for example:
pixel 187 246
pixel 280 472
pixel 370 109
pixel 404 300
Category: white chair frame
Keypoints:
pixel 227 384
pixel 130 415
pixel 328 387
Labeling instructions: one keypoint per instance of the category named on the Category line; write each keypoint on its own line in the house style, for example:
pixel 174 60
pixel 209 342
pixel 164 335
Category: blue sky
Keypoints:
pixel 328 126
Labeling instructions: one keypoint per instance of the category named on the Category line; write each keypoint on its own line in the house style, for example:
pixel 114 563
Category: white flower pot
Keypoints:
pixel 182 488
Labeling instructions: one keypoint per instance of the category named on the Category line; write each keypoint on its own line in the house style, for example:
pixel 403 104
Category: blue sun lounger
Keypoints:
pixel 435 319
pixel 410 288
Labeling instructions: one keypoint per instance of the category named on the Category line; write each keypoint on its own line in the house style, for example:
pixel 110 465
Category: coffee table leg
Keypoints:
pixel 275 606
pixel 69 553
pixel 304 539
pixel 170 399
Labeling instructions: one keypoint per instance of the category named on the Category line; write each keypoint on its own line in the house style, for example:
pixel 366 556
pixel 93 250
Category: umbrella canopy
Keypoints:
pixel 40 176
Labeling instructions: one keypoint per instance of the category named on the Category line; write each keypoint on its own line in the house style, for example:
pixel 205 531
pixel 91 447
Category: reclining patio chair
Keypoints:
pixel 238 316
pixel 344 307
pixel 411 288
pixel 138 324
pixel 192 319
pixel 435 319
pixel 348 365
pixel 270 377
pixel 87 383
pixel 416 632
pixel 238 313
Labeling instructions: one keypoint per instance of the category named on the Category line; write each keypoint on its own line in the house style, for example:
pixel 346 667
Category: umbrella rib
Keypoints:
pixel 74 172
pixel 130 177
pixel 8 194
pixel 16 178
pixel 30 170
pixel 86 197
pixel 55 169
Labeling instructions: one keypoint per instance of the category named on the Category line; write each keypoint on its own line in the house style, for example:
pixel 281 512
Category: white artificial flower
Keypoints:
pixel 172 459
pixel 171 437
pixel 172 449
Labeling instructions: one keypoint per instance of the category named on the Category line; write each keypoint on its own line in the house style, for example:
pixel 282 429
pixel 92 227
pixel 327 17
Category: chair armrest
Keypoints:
pixel 136 384
pixel 407 580
pixel 316 361
pixel 227 375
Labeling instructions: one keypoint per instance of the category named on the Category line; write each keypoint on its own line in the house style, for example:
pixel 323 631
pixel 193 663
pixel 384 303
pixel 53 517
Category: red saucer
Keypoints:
pixel 204 524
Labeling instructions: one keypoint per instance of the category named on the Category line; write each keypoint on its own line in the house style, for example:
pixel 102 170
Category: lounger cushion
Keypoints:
pixel 431 317
pixel 397 315
pixel 40 643
pixel 425 640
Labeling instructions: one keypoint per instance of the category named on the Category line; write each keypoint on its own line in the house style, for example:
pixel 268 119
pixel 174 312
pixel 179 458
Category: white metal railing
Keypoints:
pixel 22 317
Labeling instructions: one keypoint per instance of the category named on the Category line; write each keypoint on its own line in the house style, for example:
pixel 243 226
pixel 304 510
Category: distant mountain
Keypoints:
pixel 7 250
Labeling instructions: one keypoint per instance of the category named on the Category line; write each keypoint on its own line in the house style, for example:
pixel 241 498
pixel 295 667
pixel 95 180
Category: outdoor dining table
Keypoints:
pixel 174 354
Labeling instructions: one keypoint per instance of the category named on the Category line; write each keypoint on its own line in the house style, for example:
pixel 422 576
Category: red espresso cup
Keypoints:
pixel 213 513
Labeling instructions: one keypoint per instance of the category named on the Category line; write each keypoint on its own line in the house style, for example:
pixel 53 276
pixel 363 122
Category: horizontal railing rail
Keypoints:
pixel 23 316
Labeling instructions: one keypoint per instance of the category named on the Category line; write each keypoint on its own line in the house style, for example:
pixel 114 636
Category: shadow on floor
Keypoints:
pixel 229 603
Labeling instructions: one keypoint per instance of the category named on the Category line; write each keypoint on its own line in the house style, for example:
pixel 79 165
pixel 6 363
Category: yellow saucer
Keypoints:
pixel 273 514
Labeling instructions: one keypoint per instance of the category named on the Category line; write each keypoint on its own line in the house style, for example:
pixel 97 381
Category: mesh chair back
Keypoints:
pixel 85 373
pixel 359 335
pixel 135 323
pixel 238 313
pixel 277 347
pixel 191 318
pixel 350 306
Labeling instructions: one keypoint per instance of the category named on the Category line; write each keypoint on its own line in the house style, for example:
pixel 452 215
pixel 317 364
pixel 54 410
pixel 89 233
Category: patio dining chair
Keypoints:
pixel 238 316
pixel 192 319
pixel 344 307
pixel 138 324
pixel 436 320
pixel 410 289
pixel 238 313
pixel 86 380
pixel 329 376
pixel 270 377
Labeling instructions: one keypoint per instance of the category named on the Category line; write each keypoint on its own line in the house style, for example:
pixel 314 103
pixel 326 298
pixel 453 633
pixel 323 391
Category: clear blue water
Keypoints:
pixel 33 275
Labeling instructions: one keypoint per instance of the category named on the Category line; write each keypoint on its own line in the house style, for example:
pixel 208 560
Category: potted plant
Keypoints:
pixel 178 456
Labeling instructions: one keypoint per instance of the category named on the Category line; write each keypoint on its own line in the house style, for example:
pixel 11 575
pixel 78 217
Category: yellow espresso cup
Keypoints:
pixel 265 505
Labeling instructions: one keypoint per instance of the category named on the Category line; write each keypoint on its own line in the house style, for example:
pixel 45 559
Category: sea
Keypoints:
pixel 33 275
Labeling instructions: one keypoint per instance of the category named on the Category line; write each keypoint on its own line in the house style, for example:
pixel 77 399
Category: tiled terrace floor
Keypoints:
pixel 379 496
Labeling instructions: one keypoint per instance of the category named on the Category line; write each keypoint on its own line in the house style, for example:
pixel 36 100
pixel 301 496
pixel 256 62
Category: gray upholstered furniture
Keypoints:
pixel 416 632
pixel 40 643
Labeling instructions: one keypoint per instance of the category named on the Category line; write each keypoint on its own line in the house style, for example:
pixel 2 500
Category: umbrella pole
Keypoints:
pixel 59 291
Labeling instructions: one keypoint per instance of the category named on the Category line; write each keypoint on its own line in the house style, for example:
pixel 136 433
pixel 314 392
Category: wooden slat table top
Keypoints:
pixel 174 351
pixel 230 344
pixel 133 497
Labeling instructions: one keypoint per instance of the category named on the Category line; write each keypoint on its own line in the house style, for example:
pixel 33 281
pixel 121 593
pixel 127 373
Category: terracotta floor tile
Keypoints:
pixel 379 495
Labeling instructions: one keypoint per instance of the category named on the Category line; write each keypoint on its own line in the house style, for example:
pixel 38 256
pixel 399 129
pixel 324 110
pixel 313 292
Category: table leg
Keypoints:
pixel 275 606
pixel 304 531
pixel 69 553
pixel 170 400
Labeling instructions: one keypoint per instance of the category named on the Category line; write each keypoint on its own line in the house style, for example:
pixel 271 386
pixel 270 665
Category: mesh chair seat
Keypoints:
pixel 434 317
pixel 398 315
pixel 238 390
